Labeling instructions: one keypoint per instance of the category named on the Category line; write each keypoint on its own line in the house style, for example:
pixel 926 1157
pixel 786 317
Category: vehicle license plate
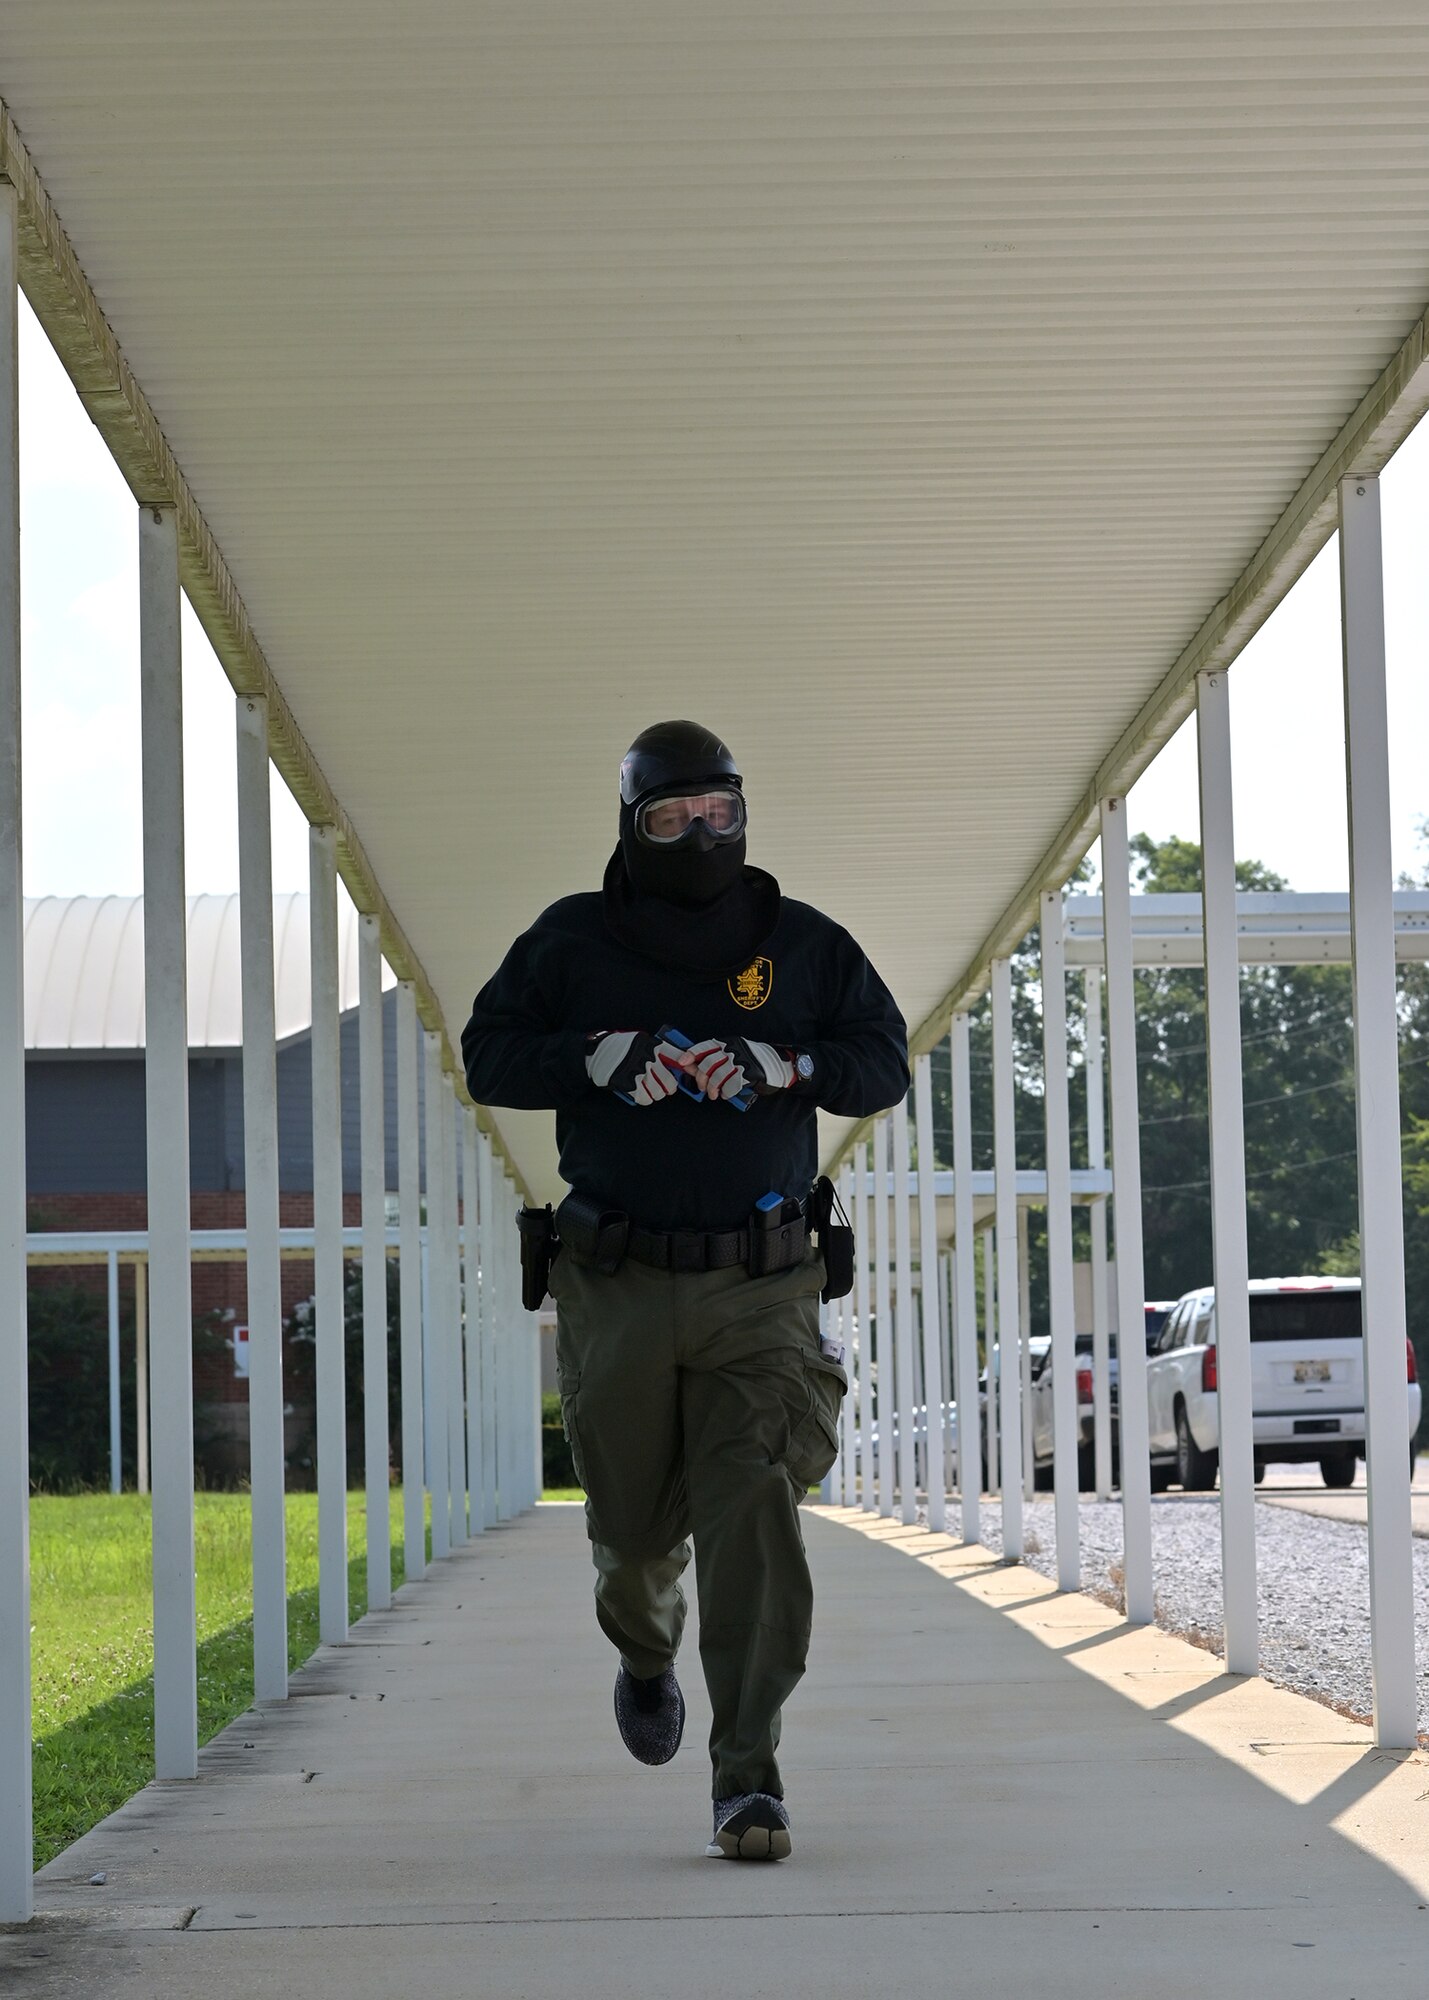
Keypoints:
pixel 1312 1371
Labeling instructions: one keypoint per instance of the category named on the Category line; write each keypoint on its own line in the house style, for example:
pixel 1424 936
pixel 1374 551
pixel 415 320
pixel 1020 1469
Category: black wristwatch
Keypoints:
pixel 803 1066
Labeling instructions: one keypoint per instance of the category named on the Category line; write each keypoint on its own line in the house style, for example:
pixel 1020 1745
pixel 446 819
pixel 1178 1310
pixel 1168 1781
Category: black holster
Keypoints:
pixel 777 1239
pixel 594 1235
pixel 539 1243
pixel 835 1239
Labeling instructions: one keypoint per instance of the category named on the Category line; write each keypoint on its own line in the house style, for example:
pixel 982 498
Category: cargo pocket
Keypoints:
pixel 569 1382
pixel 814 1440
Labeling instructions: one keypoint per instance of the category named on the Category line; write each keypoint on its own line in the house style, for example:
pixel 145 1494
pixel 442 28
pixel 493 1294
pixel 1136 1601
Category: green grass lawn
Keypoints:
pixel 92 1636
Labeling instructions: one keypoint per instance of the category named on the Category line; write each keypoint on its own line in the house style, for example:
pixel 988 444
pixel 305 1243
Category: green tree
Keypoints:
pixel 1297 1074
pixel 1298 1088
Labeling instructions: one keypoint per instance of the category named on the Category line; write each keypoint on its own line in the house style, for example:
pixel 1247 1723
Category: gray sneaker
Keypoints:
pixel 650 1715
pixel 751 1827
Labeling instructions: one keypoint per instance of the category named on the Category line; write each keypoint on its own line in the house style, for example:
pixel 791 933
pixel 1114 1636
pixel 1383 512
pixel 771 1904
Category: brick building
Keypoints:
pixel 85 1141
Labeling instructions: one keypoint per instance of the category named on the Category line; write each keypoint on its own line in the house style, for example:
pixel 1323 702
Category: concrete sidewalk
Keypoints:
pixel 997 1791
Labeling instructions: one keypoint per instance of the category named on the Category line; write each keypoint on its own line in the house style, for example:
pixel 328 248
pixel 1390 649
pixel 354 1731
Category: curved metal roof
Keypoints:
pixel 84 970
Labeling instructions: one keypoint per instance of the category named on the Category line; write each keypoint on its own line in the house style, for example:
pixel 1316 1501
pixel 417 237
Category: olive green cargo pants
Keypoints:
pixel 699 1404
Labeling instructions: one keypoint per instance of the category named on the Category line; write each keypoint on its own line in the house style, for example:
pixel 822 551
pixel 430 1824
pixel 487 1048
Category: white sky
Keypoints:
pixel 81 689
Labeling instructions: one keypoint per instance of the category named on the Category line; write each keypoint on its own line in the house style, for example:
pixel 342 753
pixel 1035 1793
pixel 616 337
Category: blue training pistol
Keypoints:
pixel 742 1102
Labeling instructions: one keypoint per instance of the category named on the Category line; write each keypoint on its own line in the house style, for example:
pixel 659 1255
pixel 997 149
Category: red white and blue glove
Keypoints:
pixel 724 1068
pixel 634 1063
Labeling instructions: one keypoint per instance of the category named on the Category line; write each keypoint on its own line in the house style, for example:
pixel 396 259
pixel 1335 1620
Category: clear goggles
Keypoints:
pixel 666 822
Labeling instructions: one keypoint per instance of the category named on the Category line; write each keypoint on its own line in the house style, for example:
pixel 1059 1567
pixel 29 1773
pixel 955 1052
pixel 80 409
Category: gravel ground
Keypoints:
pixel 1313 1579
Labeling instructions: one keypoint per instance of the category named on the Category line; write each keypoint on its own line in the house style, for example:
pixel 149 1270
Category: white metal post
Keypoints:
pixel 329 1333
pixel 1230 1255
pixel 884 1364
pixel 532 1425
pixel 513 1487
pixel 903 1316
pixel 409 1274
pixel 945 1283
pixel 826 1484
pixel 509 1481
pixel 1096 1157
pixel 1126 1192
pixel 534 1428
pixel 1377 1130
pixel 507 1503
pixel 831 1485
pixel 471 1318
pixel 529 1328
pixel 964 1288
pixel 115 1467
pixel 526 1403
pixel 375 1440
pixel 843 1316
pixel 1011 1291
pixel 515 1500
pixel 166 1084
pixel 531 1385
pixel 863 1309
pixel 16 1823
pixel 848 1415
pixel 260 1205
pixel 849 1427
pixel 1101 1350
pixel 434 1377
pixel 141 1374
pixel 989 1348
pixel 451 1298
pixel 1062 1313
pixel 1024 1330
pixel 494 1251
pixel 934 1395
pixel 489 1373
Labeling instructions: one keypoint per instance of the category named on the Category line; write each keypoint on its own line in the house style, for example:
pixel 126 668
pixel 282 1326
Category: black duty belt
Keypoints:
pixel 711 1249
pixel 604 1238
pixel 688 1249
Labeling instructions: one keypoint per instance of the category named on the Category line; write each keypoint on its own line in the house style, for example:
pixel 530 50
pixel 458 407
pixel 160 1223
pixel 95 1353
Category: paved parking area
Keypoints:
pixel 997 1790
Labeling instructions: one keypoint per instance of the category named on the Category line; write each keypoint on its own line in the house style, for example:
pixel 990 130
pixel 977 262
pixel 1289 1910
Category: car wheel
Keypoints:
pixel 1338 1469
pixel 1161 1477
pixel 1260 1472
pixel 1043 1478
pixel 1086 1469
pixel 1195 1469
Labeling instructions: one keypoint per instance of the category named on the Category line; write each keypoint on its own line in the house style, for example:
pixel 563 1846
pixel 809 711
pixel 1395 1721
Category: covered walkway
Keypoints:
pixel 1005 1791
pixel 938 401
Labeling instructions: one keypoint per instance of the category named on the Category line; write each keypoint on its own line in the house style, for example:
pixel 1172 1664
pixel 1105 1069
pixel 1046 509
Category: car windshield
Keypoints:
pixel 1305 1316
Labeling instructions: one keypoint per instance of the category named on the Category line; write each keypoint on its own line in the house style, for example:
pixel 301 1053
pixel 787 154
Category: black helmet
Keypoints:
pixel 675 755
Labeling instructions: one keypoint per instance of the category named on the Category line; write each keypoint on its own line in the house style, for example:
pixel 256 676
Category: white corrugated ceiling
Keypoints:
pixel 894 387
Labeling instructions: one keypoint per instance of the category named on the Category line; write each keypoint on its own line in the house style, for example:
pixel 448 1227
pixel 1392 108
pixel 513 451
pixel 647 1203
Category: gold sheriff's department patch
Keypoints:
pixel 752 987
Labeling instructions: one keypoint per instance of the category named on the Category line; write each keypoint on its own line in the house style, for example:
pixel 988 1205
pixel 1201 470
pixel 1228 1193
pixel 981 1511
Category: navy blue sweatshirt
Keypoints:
pixel 682 1164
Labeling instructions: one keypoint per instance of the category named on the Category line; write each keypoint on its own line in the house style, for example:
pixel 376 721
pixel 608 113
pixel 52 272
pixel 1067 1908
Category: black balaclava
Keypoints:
pixel 697 906
pixel 693 874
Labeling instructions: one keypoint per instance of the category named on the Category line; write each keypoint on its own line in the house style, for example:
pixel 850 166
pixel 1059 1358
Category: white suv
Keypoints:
pixel 1307 1383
